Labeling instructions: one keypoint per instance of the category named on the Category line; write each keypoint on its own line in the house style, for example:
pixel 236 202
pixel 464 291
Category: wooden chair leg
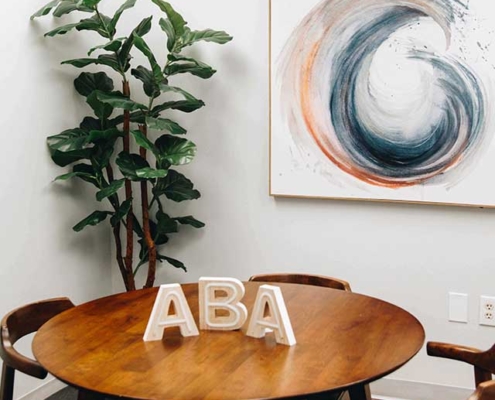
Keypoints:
pixel 481 375
pixel 360 392
pixel 7 384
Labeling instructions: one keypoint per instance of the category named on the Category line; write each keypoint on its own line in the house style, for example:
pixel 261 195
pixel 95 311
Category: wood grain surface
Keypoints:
pixel 344 340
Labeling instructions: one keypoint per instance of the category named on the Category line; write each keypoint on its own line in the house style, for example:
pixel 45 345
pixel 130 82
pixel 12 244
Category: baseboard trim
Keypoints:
pixel 45 390
pixel 397 389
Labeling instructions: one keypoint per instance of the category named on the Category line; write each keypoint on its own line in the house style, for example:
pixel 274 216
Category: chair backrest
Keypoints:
pixel 482 361
pixel 23 321
pixel 304 279
pixel 485 391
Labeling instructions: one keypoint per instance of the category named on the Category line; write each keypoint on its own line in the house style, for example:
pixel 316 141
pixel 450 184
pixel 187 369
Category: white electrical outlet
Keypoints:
pixel 487 310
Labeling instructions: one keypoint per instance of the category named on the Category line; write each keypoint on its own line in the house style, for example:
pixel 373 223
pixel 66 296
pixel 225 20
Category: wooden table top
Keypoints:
pixel 343 339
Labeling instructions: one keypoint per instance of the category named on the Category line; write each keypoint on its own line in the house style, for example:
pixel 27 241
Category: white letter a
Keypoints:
pixel 160 318
pixel 270 313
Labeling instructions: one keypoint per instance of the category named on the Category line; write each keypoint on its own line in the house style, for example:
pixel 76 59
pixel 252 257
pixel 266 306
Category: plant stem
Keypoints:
pixel 128 278
pixel 150 243
pixel 128 187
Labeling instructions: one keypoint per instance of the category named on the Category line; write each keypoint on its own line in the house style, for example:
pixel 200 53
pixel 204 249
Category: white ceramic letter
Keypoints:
pixel 224 313
pixel 160 318
pixel 270 313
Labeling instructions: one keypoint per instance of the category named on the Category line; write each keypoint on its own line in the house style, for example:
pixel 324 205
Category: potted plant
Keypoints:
pixel 115 146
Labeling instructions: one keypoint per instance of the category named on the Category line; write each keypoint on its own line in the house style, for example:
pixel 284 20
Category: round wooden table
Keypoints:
pixel 344 341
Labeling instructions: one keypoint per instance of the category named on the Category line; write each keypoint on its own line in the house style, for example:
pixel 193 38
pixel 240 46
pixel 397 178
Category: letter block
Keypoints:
pixel 270 314
pixel 160 318
pixel 221 313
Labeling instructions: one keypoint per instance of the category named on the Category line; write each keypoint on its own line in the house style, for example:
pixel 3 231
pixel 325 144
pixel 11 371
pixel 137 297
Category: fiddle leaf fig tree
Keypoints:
pixel 124 141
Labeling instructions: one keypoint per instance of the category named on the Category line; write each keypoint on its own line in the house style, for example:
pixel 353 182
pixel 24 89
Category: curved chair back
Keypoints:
pixel 304 279
pixel 17 324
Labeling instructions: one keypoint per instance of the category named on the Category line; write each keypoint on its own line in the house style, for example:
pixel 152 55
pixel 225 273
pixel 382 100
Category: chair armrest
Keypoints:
pixel 18 361
pixel 485 391
pixel 483 361
pixel 451 351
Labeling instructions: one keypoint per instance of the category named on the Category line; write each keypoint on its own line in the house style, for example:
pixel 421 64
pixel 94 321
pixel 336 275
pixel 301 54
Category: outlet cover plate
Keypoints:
pixel 487 310
pixel 458 307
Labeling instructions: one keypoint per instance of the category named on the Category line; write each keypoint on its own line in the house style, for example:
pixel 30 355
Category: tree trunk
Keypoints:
pixel 128 193
pixel 126 277
pixel 150 243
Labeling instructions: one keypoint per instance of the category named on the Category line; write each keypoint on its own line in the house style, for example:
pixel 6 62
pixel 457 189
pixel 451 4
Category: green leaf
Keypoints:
pixel 102 152
pixel 136 116
pixel 172 261
pixel 150 173
pixel 106 135
pixel 94 219
pixel 82 171
pixel 128 4
pixel 87 173
pixel 163 124
pixel 176 187
pixel 113 46
pixel 90 124
pixel 121 212
pixel 188 96
pixel 68 6
pixel 110 190
pixel 70 139
pixel 45 10
pixel 182 105
pixel 175 150
pixel 101 110
pixel 129 164
pixel 175 18
pixel 136 227
pixel 190 220
pixel 151 88
pixel 158 237
pixel 142 29
pixel 95 24
pixel 64 158
pixel 182 65
pixel 143 47
pixel 90 3
pixel 207 35
pixel 65 177
pixel 87 82
pixel 118 100
pixel 168 28
pixel 165 224
pixel 143 141
pixel 61 30
pixel 109 60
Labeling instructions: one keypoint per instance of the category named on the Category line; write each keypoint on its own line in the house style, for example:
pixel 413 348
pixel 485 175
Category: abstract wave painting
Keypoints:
pixel 383 100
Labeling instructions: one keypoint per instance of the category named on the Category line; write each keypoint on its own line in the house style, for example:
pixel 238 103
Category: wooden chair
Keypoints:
pixel 482 361
pixel 314 280
pixel 304 279
pixel 485 391
pixel 17 324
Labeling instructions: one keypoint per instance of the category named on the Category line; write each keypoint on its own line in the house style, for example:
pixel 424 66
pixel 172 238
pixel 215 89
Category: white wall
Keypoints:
pixel 409 255
pixel 41 256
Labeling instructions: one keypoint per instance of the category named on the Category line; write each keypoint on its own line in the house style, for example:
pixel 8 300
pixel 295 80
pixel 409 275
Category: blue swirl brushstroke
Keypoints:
pixel 404 158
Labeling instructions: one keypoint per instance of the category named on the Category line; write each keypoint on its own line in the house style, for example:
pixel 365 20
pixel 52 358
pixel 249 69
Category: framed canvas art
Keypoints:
pixel 383 100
